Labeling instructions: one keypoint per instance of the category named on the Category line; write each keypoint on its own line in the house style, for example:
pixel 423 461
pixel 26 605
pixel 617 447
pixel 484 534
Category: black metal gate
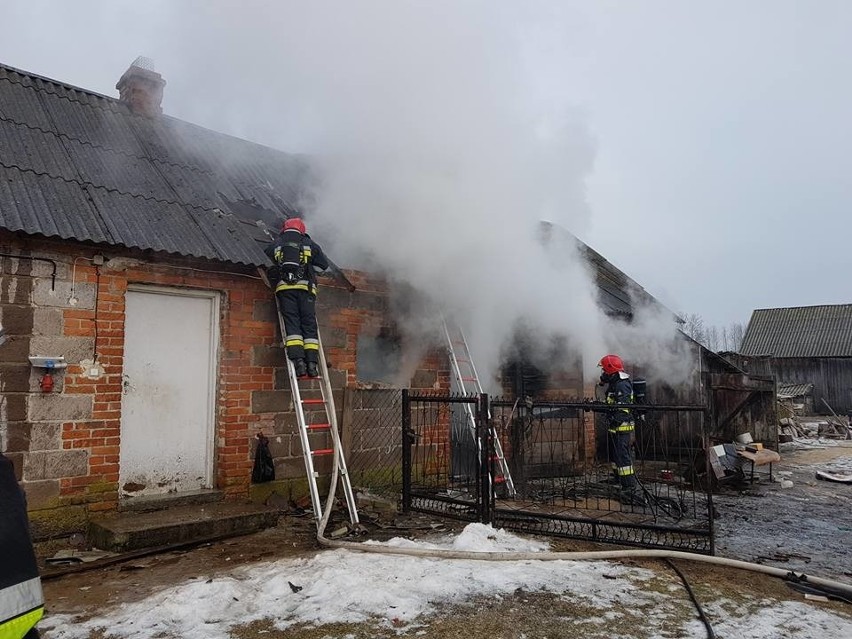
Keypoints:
pixel 444 461
pixel 558 455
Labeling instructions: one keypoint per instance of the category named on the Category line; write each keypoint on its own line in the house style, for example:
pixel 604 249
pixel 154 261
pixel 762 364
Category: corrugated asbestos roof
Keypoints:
pixel 78 165
pixel 805 331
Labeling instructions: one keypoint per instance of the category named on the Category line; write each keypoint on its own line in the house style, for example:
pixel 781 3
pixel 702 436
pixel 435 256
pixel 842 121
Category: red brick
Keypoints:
pixel 106 414
pixel 77 314
pixel 104 450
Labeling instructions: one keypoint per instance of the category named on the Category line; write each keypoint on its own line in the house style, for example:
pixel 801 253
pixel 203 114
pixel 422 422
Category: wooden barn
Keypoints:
pixel 806 345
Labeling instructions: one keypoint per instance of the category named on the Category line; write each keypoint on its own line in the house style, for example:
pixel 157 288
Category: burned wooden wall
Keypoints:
pixel 741 400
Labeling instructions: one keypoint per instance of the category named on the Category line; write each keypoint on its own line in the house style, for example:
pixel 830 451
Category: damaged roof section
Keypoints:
pixel 789 391
pixel 804 331
pixel 618 294
pixel 78 165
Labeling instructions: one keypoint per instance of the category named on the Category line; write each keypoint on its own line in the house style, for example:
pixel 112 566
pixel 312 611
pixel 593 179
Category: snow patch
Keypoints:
pixel 393 591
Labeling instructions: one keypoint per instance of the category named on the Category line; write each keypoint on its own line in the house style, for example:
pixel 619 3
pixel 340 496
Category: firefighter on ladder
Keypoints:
pixel 621 428
pixel 295 257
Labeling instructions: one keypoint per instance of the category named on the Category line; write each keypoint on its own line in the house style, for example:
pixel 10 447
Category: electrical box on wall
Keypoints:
pixel 50 363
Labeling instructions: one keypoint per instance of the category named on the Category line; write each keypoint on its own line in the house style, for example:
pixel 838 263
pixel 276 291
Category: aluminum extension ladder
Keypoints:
pixel 328 424
pixel 469 383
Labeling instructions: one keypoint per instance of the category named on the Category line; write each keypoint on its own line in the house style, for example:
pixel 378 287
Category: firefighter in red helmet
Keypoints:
pixel 620 429
pixel 295 258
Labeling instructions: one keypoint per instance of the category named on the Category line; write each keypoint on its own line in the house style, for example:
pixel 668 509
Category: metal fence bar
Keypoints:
pixel 486 460
pixel 406 451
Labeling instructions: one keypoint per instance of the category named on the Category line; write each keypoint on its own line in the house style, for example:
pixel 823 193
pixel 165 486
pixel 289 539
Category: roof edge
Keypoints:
pixel 301 158
pixel 799 308
pixel 66 85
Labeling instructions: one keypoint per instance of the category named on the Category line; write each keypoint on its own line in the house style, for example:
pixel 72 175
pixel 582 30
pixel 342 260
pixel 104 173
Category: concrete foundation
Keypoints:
pixel 136 530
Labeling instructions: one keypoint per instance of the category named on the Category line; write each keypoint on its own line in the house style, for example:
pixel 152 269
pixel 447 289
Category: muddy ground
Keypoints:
pixel 806 527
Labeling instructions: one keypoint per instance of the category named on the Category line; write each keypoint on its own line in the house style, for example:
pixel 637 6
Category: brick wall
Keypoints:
pixel 65 444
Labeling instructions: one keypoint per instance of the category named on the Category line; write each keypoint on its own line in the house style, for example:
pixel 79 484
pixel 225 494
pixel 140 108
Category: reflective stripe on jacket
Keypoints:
pixel 21 608
pixel 21 598
pixel 620 393
pixel 313 258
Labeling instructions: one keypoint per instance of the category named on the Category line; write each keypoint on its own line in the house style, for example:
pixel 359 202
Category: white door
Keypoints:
pixel 167 404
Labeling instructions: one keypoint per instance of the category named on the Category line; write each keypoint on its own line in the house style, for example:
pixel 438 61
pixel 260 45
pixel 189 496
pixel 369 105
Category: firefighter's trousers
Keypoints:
pixel 619 437
pixel 298 308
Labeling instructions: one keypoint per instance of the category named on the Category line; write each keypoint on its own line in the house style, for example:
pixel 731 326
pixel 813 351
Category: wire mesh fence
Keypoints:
pixel 372 440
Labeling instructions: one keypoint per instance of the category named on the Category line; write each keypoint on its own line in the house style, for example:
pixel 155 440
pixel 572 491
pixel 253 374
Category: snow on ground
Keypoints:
pixel 809 443
pixel 352 587
pixel 770 619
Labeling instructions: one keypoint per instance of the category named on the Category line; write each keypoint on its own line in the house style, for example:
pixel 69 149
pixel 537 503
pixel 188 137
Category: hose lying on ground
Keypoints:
pixel 835 586
pixel 701 615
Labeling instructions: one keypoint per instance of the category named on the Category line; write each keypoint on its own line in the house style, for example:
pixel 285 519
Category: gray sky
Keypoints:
pixel 711 137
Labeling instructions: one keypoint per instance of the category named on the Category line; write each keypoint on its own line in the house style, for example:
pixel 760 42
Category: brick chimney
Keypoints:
pixel 142 88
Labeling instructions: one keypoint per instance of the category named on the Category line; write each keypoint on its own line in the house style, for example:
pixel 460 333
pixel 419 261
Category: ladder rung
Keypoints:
pixel 463 360
pixel 468 379
pixel 313 401
pixel 500 480
pixel 318 426
pixel 322 451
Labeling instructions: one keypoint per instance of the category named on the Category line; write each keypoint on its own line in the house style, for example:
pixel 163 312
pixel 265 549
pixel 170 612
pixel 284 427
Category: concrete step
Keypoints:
pixel 170 500
pixel 125 531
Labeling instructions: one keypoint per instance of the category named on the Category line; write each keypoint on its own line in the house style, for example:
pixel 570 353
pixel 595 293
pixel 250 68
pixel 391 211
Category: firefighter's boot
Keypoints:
pixel 313 369
pixel 301 367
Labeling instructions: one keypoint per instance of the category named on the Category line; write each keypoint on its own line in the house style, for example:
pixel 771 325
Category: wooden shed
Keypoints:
pixel 807 345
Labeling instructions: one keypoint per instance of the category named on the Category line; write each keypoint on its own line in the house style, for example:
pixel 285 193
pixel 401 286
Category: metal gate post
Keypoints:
pixel 486 456
pixel 406 452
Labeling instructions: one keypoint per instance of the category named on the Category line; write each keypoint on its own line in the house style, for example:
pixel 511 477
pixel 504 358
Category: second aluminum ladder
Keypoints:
pixel 468 381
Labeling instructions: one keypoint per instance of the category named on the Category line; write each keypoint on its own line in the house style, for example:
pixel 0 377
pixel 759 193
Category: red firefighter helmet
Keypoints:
pixel 294 223
pixel 611 364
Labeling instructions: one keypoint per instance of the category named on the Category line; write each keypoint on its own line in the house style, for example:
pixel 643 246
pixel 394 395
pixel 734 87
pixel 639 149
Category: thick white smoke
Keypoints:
pixel 443 133
pixel 442 149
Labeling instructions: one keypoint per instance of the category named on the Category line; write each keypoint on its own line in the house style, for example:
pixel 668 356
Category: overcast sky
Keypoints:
pixel 720 131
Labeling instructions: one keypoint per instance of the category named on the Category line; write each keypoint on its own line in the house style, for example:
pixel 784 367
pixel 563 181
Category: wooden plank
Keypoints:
pixel 737 409
pixel 761 457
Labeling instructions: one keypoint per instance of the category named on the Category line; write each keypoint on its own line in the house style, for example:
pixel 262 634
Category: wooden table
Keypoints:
pixel 760 458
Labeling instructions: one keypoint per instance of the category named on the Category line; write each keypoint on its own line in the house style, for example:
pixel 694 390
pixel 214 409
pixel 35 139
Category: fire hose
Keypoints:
pixel 839 588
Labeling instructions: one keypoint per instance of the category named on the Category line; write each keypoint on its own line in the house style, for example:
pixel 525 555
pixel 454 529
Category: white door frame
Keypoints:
pixel 212 383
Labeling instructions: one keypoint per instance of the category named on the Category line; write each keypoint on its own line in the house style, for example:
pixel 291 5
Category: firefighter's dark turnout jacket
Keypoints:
pixel 297 300
pixel 620 428
pixel 21 599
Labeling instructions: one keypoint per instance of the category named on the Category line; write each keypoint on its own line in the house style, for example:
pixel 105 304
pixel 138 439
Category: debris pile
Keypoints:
pixel 730 461
pixel 794 427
